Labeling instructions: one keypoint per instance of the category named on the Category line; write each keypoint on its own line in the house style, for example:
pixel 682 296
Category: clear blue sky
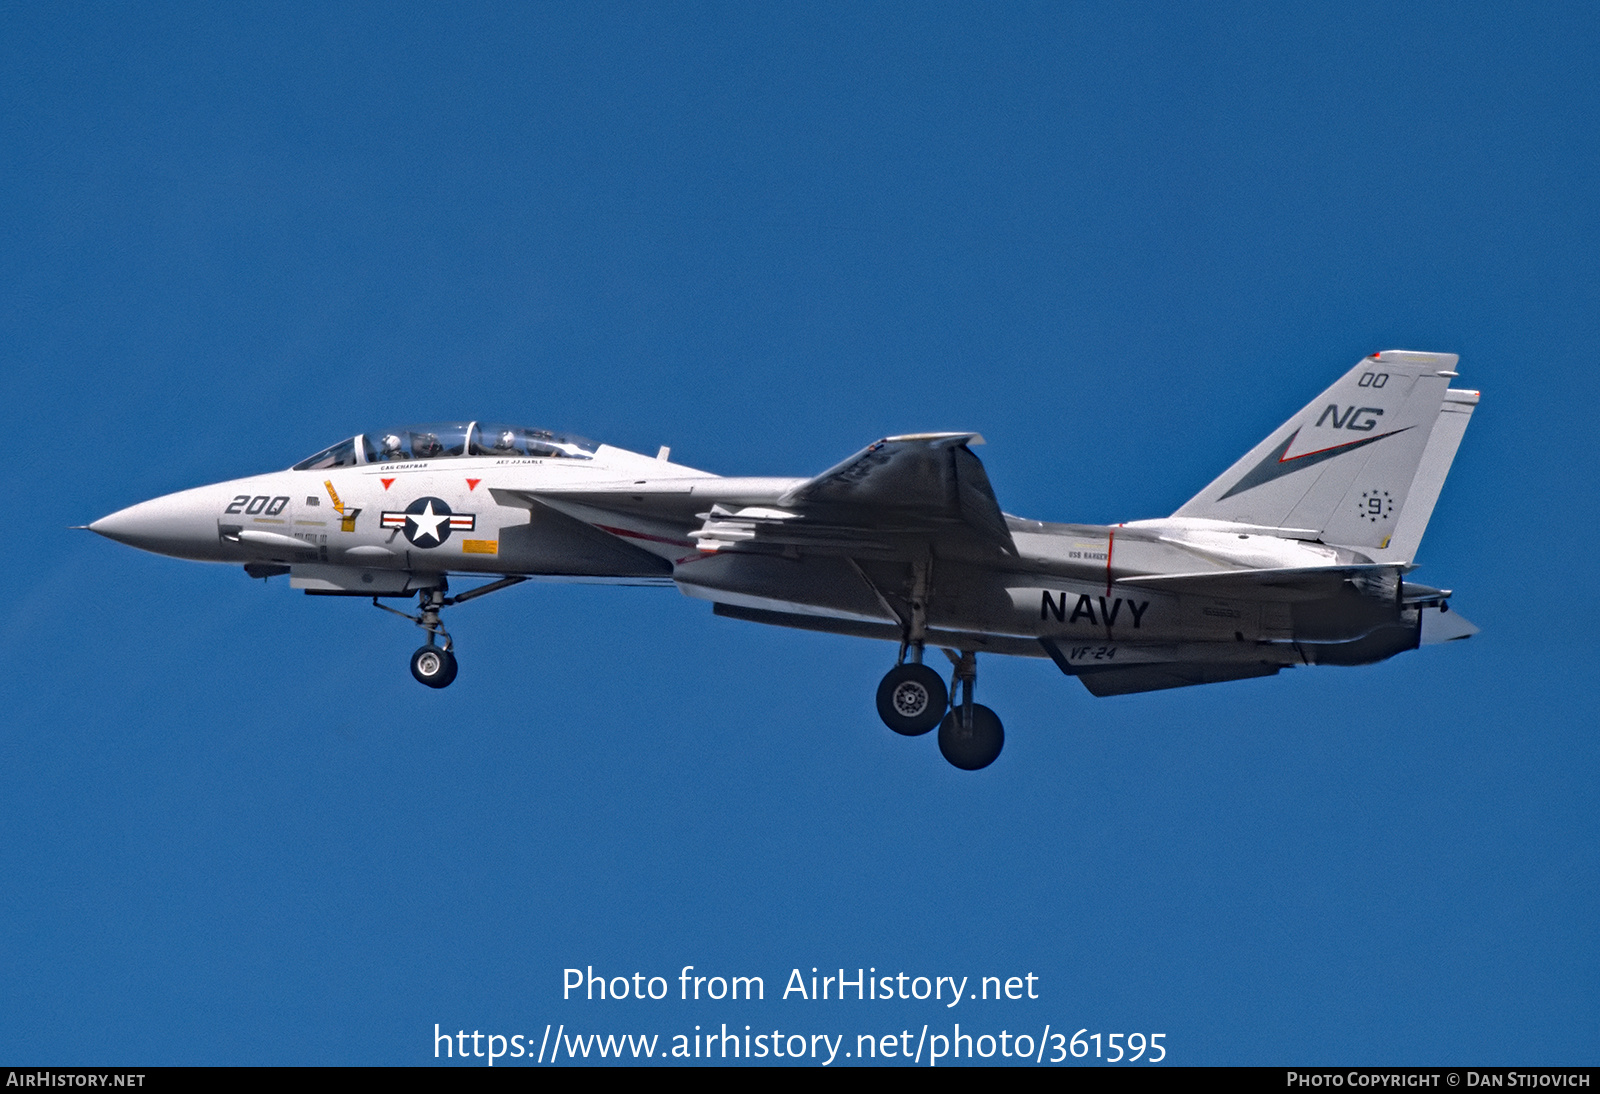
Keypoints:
pixel 1123 241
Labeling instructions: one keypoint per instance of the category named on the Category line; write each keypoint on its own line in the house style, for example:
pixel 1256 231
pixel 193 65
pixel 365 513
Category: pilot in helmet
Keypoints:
pixel 391 447
pixel 506 442
pixel 425 445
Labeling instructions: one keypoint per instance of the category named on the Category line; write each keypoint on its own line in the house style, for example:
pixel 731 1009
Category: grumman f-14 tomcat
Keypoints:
pixel 1295 555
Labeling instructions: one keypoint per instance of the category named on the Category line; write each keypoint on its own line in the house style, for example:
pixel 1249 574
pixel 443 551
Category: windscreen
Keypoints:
pixel 342 454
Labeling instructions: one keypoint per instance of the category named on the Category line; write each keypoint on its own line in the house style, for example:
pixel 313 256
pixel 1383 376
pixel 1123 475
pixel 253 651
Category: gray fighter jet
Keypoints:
pixel 1295 555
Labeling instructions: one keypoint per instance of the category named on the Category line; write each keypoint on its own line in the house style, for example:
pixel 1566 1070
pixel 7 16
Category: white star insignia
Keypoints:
pixel 427 523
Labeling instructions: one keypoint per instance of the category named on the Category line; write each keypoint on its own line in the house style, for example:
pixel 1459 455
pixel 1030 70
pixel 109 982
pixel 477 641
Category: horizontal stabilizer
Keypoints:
pixel 1444 626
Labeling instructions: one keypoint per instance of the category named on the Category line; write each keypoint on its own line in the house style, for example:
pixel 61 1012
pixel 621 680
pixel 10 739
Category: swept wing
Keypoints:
pixel 890 499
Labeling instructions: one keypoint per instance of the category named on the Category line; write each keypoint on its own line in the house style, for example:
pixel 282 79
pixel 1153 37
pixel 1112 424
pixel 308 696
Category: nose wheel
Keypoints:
pixel 434 666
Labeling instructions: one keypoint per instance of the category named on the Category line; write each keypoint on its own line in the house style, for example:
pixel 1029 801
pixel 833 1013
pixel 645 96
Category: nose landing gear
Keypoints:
pixel 434 664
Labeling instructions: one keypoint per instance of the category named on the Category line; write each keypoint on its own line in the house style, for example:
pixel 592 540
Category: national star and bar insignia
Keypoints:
pixel 428 522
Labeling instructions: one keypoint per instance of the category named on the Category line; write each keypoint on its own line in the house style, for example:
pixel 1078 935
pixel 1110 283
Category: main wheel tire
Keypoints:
pixel 971 747
pixel 912 699
pixel 434 666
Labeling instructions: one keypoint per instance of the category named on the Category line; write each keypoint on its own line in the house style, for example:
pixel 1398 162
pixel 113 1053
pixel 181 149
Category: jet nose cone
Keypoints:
pixel 182 524
pixel 139 525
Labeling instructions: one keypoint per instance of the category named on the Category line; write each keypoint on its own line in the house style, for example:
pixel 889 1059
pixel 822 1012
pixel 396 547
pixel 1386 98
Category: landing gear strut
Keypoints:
pixel 912 699
pixel 971 735
pixel 434 664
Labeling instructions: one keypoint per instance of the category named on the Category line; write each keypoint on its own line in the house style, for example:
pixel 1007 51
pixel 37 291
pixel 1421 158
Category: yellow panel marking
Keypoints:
pixel 480 546
pixel 347 517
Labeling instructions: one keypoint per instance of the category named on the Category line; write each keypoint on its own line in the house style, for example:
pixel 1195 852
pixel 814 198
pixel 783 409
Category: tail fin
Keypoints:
pixel 1448 430
pixel 1345 466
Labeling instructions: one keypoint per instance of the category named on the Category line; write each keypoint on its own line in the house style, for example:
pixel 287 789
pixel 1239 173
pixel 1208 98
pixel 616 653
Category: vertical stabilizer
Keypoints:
pixel 1345 465
pixel 1436 459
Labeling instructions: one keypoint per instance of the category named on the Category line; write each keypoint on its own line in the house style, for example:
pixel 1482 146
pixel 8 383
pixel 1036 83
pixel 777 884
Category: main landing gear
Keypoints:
pixel 434 663
pixel 912 699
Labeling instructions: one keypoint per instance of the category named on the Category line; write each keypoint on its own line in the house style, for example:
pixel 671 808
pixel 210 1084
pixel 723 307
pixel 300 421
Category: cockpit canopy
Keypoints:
pixel 448 440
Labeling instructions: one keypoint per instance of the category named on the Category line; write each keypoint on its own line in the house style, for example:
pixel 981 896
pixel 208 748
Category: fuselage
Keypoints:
pixel 396 526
